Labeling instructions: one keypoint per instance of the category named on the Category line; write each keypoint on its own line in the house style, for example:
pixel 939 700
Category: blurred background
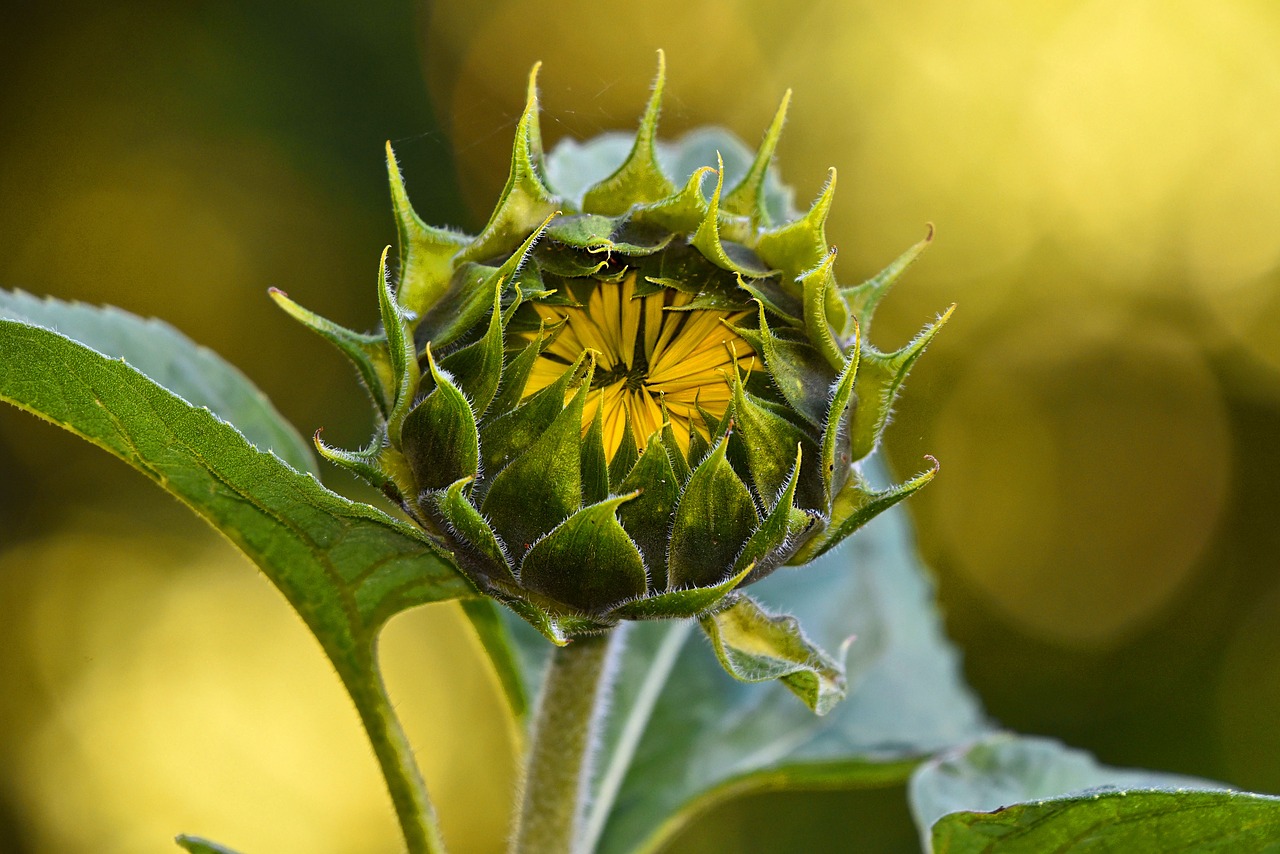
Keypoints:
pixel 1105 181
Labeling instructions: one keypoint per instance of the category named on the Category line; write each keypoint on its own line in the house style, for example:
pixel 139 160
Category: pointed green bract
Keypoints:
pixel 798 370
pixel 706 239
pixel 681 212
pixel 471 292
pixel 816 286
pixel 747 199
pixel 880 376
pixel 769 442
pixel 836 455
pixel 648 516
pixel 800 245
pixel 367 352
pixel 477 367
pixel 679 462
pixel 545 481
pixel 639 180
pixel 756 646
pixel 713 520
pixel 595 466
pixel 458 511
pixel 679 604
pixel 507 436
pixel 401 350
pixel 426 253
pixel 440 437
pixel 625 458
pixel 864 298
pixel 784 522
pixel 591 537
pixel 856 505
pixel 525 200
pixel 365 464
pixel 515 376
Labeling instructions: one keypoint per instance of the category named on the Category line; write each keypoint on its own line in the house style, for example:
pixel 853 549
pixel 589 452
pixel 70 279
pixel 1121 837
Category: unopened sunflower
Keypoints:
pixel 630 403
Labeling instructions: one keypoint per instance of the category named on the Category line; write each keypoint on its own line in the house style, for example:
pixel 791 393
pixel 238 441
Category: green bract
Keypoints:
pixel 630 406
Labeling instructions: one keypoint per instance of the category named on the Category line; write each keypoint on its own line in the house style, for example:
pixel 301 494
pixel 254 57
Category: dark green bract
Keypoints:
pixel 519 487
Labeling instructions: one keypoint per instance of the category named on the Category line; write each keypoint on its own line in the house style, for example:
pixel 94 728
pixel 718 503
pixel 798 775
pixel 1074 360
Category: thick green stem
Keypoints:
pixel 558 768
pixel 395 757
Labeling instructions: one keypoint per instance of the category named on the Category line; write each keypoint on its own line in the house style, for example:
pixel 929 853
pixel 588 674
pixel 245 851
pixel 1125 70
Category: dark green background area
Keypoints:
pixel 247 138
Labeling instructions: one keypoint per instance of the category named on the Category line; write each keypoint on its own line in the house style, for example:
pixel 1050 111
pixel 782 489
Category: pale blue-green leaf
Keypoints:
pixel 1004 769
pixel 172 360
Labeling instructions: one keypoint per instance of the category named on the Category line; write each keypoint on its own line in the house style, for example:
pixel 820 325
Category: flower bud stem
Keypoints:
pixel 558 769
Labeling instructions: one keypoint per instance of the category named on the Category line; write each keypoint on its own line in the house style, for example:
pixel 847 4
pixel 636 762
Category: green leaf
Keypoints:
pixel 756 646
pixel 346 568
pixel 1004 769
pixel 1167 821
pixel 171 360
pixel 587 561
pixel 713 520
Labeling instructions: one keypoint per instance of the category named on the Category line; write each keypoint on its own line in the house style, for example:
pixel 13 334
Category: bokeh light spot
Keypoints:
pixel 1087 463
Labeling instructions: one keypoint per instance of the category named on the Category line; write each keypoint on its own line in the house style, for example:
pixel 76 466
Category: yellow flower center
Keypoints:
pixel 651 354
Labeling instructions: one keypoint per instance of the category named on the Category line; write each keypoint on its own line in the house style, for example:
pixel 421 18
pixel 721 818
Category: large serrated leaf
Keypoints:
pixel 345 567
pixel 172 360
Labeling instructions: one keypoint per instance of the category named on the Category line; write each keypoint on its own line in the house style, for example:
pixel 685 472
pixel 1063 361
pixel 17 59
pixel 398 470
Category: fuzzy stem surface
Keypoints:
pixel 558 770
pixel 404 781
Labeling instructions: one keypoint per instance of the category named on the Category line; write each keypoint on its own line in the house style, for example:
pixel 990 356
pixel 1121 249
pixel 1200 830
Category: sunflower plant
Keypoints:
pixel 639 391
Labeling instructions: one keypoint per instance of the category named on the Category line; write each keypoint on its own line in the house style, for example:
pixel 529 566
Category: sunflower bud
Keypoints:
pixel 628 406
